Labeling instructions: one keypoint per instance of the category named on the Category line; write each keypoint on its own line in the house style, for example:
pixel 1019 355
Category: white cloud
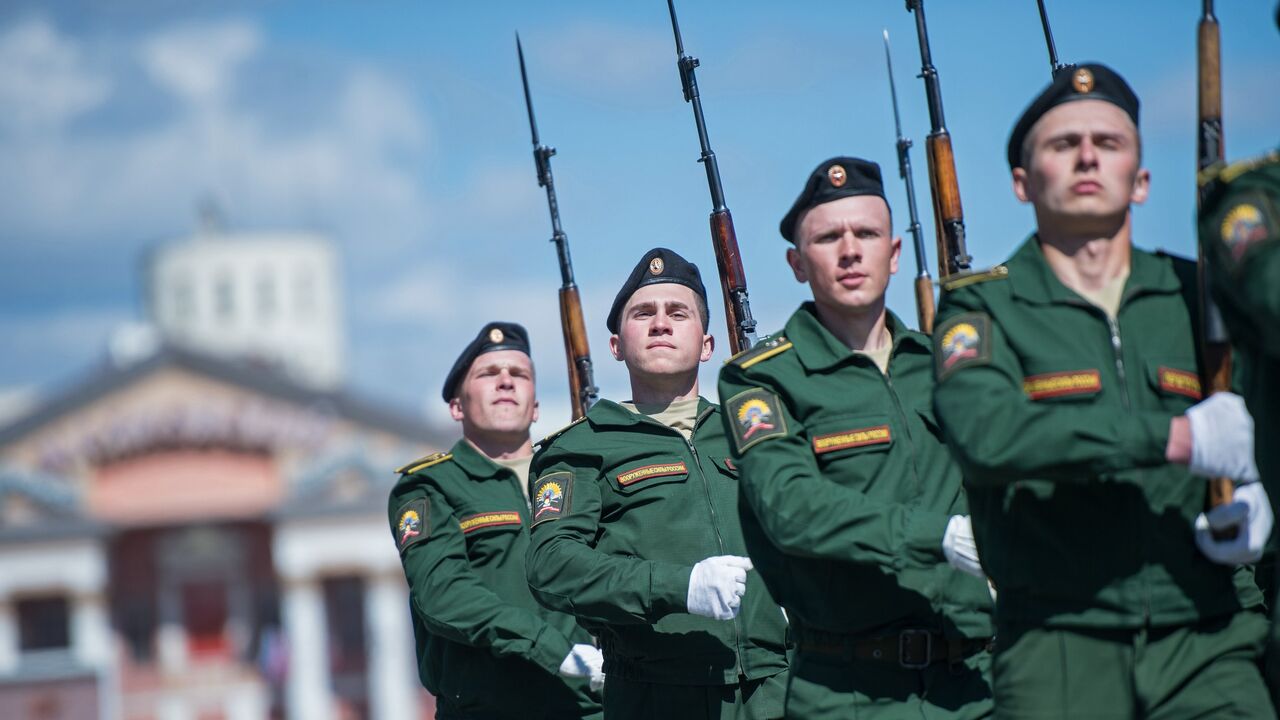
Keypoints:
pixel 351 166
pixel 198 61
pixel 45 79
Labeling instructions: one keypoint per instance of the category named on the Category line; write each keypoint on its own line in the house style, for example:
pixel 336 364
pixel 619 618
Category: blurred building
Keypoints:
pixel 272 296
pixel 197 530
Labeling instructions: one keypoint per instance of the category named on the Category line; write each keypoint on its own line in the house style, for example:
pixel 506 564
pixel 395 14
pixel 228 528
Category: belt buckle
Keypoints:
pixel 907 645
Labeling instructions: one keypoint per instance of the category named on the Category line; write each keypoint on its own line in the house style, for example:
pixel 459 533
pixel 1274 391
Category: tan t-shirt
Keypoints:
pixel 679 415
pixel 1108 296
pixel 520 466
pixel 880 357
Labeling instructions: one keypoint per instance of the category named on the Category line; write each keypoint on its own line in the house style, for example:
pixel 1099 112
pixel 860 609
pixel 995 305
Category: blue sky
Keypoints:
pixel 398 129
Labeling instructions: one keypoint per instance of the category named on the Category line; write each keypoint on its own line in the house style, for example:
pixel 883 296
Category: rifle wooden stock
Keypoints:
pixel 733 277
pixel 924 303
pixel 1215 348
pixel 947 211
pixel 576 350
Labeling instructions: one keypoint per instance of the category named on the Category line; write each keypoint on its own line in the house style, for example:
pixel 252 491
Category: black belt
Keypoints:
pixel 913 649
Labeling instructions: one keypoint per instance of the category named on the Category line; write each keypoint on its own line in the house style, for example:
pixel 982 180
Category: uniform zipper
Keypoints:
pixel 715 522
pixel 1114 326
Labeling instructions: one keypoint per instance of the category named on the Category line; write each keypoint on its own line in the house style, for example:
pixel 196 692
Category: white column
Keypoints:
pixel 90 630
pixel 307 691
pixel 247 702
pixel 8 638
pixel 393 676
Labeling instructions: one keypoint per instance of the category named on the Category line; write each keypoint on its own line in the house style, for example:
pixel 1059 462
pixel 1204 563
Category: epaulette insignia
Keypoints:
pixel 423 463
pixel 1222 172
pixel 762 351
pixel 559 432
pixel 961 279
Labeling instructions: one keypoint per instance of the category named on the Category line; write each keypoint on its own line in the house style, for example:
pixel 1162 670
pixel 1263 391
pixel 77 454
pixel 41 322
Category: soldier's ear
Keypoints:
pixel 1141 186
pixel 455 409
pixel 535 411
pixel 615 347
pixel 896 244
pixel 1020 184
pixel 708 347
pixel 793 259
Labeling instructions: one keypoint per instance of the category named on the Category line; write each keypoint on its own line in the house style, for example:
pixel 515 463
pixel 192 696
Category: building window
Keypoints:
pixel 224 298
pixel 266 297
pixel 44 623
pixel 184 305
pixel 304 292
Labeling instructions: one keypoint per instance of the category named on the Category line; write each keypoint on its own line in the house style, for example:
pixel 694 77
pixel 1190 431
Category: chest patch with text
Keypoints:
pixel 878 435
pixel 635 475
pixel 1180 382
pixel 1059 384
pixel 479 521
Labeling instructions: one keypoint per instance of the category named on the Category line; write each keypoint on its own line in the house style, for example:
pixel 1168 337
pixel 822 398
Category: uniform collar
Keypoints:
pixel 607 413
pixel 474 463
pixel 819 349
pixel 1032 280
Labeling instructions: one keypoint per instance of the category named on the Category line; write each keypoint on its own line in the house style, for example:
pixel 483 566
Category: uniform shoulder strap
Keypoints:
pixel 763 350
pixel 549 438
pixel 963 279
pixel 424 462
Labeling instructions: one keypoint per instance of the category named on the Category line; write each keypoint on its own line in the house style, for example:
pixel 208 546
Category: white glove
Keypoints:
pixel 585 661
pixel 716 586
pixel 1222 438
pixel 1250 512
pixel 960 547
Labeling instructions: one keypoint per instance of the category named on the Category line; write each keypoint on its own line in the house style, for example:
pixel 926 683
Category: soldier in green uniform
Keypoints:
pixel 1068 390
pixel 852 506
pixel 461 522
pixel 635 527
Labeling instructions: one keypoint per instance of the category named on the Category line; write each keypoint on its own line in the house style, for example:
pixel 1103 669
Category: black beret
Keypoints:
pixel 659 265
pixel 494 336
pixel 1090 81
pixel 836 178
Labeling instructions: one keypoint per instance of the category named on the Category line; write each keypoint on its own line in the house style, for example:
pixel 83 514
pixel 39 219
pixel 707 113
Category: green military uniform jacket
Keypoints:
pixel 461 523
pixel 1060 418
pixel 623 508
pixel 847 484
pixel 1240 233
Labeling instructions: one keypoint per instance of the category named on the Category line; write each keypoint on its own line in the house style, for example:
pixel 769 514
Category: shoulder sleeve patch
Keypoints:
pixel 412 523
pixel 963 279
pixel 962 341
pixel 558 433
pixel 551 495
pixel 757 416
pixel 423 463
pixel 762 351
pixel 1250 220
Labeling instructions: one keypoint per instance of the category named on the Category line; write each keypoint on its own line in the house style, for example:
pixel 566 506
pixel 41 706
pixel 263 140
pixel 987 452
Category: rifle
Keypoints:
pixel 948 214
pixel 1055 67
pixel 733 279
pixel 1215 346
pixel 582 389
pixel 924 283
